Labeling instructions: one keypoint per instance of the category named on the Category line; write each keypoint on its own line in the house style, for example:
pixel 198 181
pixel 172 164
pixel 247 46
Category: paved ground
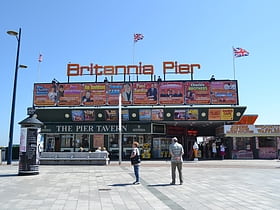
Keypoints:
pixel 228 184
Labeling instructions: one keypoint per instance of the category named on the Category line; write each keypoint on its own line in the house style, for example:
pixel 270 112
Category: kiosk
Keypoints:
pixel 29 146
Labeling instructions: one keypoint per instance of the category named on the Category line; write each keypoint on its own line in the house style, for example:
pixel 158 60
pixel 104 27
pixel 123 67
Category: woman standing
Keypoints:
pixel 222 151
pixel 135 161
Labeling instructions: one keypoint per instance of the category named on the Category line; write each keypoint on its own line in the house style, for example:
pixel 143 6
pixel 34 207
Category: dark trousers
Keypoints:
pixel 177 165
pixel 136 172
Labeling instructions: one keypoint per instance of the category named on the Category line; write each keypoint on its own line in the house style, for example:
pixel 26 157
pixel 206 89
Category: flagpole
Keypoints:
pixel 133 52
pixel 38 76
pixel 233 62
pixel 120 129
pixel 40 58
pixel 133 55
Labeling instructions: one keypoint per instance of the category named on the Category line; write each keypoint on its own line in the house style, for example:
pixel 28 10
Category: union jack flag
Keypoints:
pixel 138 37
pixel 239 52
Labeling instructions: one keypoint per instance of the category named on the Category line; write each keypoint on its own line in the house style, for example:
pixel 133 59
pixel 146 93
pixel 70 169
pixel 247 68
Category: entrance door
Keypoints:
pixel 57 144
pixel 189 147
pixel 160 147
pixel 50 144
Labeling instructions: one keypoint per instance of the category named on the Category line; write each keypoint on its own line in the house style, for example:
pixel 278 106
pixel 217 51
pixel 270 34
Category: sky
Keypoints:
pixel 101 32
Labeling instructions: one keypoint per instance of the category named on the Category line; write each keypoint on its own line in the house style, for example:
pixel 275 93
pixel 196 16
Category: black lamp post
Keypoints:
pixel 10 147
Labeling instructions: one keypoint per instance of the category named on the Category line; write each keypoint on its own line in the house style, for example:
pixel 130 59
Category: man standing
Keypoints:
pixel 176 151
pixel 152 92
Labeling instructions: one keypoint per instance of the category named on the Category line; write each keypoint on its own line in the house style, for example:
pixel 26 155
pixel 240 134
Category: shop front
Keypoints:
pixel 86 129
pixel 72 138
pixel 252 141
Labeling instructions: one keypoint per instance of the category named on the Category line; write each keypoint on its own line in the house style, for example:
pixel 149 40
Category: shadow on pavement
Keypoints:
pixel 158 185
pixel 120 185
pixel 7 175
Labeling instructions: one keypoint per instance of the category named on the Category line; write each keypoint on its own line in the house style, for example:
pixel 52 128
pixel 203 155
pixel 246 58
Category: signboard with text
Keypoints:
pixel 218 92
pixel 145 93
pixel 224 92
pixel 197 92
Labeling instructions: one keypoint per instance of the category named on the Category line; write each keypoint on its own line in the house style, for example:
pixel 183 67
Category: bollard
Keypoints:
pixel 0 157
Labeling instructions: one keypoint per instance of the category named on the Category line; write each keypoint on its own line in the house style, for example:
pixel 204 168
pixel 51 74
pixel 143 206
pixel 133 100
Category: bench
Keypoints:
pixel 74 158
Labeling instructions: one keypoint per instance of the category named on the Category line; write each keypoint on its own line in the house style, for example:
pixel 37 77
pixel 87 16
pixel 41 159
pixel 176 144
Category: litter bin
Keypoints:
pixel 28 150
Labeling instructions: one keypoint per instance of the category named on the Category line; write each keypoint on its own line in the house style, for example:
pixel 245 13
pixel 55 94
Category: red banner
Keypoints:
pixel 69 94
pixel 223 92
pixel 197 92
pixel 145 93
pixel 171 93
pixel 93 94
pixel 44 95
pixel 115 89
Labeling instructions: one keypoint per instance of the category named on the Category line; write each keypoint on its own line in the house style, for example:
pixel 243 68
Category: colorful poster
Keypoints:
pixel 145 93
pixel 171 93
pixel 115 89
pixel 125 115
pixel 113 92
pixel 179 114
pixel 157 114
pixel 89 115
pixel 23 137
pixel 93 94
pixel 69 94
pixel 227 114
pixel 197 92
pixel 224 92
pixel 127 95
pixel 78 115
pixel 145 114
pixel 44 95
pixel 111 115
pixel 214 114
pixel 192 114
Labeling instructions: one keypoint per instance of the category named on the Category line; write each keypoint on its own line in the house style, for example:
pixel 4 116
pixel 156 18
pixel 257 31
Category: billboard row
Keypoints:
pixel 141 114
pixel 218 92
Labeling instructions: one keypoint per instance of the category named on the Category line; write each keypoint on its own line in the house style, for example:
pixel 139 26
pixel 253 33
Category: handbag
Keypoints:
pixel 135 160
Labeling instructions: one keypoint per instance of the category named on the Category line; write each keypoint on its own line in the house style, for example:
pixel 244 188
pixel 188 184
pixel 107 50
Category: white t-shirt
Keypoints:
pixel 214 149
pixel 195 146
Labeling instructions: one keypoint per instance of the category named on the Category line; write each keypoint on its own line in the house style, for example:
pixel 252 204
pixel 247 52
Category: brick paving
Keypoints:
pixel 227 184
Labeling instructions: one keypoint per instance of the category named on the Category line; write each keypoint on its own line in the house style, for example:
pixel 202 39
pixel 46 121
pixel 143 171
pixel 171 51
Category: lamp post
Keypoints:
pixel 11 132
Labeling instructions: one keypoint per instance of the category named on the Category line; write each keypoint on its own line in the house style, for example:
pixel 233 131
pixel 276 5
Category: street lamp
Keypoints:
pixel 10 147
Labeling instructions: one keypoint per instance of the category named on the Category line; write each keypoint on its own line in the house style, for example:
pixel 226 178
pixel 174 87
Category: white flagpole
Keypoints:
pixel 38 76
pixel 120 129
pixel 39 62
pixel 133 53
pixel 40 59
pixel 233 62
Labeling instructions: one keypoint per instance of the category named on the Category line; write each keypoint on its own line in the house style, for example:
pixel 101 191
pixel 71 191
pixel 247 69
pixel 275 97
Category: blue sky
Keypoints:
pixel 187 31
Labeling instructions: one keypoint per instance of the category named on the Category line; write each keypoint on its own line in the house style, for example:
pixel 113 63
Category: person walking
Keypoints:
pixel 135 161
pixel 176 151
